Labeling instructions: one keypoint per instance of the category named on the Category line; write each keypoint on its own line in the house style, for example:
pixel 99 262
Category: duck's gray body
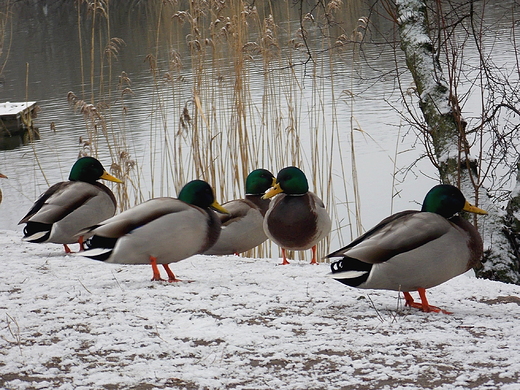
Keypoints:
pixel 167 229
pixel 65 209
pixel 242 229
pixel 407 251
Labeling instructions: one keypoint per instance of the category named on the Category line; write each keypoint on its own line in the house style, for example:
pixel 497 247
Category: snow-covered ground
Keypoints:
pixel 67 322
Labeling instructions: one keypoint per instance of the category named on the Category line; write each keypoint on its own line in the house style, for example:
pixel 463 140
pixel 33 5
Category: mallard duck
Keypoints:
pixel 414 250
pixel 3 177
pixel 159 231
pixel 297 218
pixel 242 228
pixel 70 206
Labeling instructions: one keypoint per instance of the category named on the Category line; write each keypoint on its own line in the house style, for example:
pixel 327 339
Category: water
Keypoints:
pixel 46 38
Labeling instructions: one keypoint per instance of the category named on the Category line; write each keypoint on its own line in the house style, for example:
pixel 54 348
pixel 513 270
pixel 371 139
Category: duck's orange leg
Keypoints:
pixel 424 305
pixel 81 243
pixel 313 261
pixel 171 275
pixel 409 300
pixel 156 274
pixel 284 257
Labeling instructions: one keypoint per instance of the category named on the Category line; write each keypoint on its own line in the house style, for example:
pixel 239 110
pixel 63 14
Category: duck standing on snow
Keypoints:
pixel 242 228
pixel 3 177
pixel 159 231
pixel 414 250
pixel 296 218
pixel 68 207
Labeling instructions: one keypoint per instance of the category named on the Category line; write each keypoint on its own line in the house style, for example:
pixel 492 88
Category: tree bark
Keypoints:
pixel 445 127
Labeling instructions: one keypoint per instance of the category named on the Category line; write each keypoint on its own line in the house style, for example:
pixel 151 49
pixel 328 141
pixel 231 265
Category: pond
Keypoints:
pixel 275 105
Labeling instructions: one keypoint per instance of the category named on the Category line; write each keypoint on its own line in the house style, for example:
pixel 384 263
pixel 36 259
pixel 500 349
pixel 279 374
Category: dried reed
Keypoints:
pixel 240 104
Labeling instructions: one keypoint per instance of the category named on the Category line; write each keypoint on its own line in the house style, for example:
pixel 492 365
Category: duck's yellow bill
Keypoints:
pixel 3 176
pixel 273 191
pixel 217 207
pixel 473 209
pixel 109 177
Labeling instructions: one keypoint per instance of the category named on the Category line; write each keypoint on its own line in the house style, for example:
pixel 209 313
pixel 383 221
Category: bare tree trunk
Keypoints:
pixel 445 127
pixel 446 138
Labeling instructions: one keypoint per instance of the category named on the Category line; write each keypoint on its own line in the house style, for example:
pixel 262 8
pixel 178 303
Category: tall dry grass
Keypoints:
pixel 234 88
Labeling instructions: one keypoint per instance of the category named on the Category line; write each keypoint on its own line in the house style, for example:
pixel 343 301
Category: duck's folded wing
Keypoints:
pixel 139 215
pixel 60 200
pixel 399 233
pixel 237 209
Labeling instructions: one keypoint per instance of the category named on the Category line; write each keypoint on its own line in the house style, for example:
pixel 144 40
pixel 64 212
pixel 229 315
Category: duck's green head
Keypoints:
pixel 447 200
pixel 199 193
pixel 259 181
pixel 290 180
pixel 89 170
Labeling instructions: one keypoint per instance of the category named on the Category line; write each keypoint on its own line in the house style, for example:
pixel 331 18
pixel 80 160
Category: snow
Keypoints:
pixel 10 109
pixel 67 322
pixel 449 152
pixel 409 15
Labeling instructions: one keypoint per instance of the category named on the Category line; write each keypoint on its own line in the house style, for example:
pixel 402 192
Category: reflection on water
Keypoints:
pixel 19 138
pixel 45 51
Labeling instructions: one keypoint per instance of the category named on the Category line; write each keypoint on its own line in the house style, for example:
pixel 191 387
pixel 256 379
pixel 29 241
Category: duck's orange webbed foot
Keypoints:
pixel 284 258
pixel 171 276
pixel 424 305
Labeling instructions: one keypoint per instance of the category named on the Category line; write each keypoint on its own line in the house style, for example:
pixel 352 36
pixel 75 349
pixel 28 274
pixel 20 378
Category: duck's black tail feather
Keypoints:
pixel 99 248
pixel 350 271
pixel 37 231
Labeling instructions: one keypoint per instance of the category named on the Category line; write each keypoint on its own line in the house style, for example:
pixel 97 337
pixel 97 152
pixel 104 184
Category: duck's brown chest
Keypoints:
pixel 292 221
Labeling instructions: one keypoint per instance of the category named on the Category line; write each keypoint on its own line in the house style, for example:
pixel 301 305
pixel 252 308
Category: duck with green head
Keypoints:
pixel 414 250
pixel 68 207
pixel 242 228
pixel 159 231
pixel 296 218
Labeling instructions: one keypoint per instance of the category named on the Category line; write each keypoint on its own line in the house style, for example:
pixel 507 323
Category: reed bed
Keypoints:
pixel 208 61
